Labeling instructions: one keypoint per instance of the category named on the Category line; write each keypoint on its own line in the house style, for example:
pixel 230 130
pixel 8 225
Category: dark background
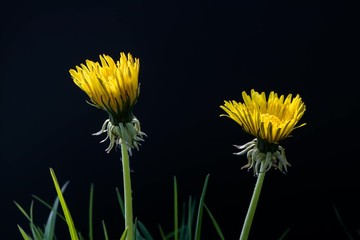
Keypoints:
pixel 193 57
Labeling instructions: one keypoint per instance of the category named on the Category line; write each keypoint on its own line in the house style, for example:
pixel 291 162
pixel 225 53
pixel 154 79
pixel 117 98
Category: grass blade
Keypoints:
pixel 121 202
pixel 68 218
pixel 123 236
pixel 176 217
pixel 183 224
pixel 22 211
pixel 105 231
pixel 40 232
pixel 200 210
pixel 48 206
pixel 216 225
pixel 138 235
pixel 284 234
pixel 81 237
pixel 191 211
pixel 37 235
pixel 91 203
pixel 342 223
pixel 144 231
pixel 50 224
pixel 23 234
pixel 162 233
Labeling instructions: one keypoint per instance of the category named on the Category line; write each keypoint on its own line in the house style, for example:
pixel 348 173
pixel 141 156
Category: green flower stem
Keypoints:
pixel 127 192
pixel 253 203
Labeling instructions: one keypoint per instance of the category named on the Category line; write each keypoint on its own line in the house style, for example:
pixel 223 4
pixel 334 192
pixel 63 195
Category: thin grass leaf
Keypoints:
pixel 40 232
pixel 183 223
pixel 48 206
pixel 50 224
pixel 69 221
pixel 162 233
pixel 81 236
pixel 216 225
pixel 167 236
pixel 144 231
pixel 91 203
pixel 137 234
pixel 284 234
pixel 176 217
pixel 22 211
pixel 124 235
pixel 24 234
pixel 170 235
pixel 121 202
pixel 200 210
pixel 343 225
pixel 37 235
pixel 191 212
pixel 105 231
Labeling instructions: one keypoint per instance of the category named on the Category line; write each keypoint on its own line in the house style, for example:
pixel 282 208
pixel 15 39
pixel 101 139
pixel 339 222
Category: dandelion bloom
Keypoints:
pixel 270 120
pixel 113 87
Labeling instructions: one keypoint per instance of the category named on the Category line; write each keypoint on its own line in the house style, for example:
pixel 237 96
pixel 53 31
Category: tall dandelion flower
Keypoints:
pixel 270 120
pixel 113 87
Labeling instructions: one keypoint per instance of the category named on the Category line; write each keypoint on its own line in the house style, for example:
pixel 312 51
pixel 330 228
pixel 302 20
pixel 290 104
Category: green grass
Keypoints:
pixel 192 217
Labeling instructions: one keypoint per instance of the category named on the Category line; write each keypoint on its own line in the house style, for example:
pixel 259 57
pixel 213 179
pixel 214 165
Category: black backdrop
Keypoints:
pixel 193 57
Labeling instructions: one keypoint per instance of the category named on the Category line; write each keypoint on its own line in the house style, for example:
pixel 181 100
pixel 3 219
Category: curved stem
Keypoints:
pixel 127 192
pixel 253 203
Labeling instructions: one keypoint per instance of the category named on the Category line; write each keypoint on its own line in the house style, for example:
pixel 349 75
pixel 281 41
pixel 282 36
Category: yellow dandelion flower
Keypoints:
pixel 110 86
pixel 113 87
pixel 270 120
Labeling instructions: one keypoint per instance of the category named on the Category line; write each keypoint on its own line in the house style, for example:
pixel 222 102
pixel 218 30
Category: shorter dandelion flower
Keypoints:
pixel 113 87
pixel 269 120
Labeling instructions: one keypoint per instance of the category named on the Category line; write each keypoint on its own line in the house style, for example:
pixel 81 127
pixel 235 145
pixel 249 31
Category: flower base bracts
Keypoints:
pixel 254 151
pixel 130 133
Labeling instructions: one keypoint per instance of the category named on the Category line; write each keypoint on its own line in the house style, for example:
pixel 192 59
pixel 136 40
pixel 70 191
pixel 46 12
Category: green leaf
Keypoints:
pixel 162 233
pixel 191 212
pixel 284 234
pixel 176 217
pixel 81 236
pixel 69 221
pixel 105 231
pixel 37 235
pixel 342 223
pixel 22 211
pixel 183 223
pixel 144 231
pixel 91 203
pixel 23 234
pixel 50 224
pixel 121 202
pixel 39 232
pixel 200 210
pixel 216 225
pixel 123 236
pixel 137 234
pixel 48 206
pixel 36 232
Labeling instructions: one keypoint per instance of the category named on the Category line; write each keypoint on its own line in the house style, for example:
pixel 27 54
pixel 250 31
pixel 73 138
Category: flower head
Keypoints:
pixel 113 87
pixel 110 86
pixel 269 120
